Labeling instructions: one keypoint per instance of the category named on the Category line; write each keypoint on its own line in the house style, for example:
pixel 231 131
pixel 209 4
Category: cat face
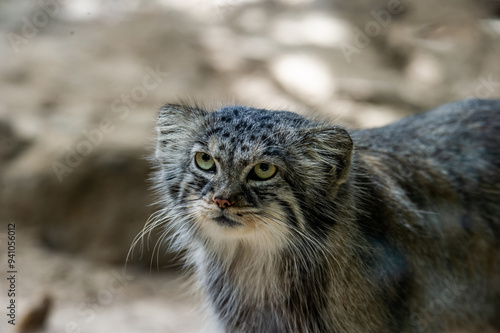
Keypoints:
pixel 240 173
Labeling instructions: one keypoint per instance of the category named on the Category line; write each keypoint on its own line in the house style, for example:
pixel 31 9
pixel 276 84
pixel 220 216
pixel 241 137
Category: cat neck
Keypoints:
pixel 285 288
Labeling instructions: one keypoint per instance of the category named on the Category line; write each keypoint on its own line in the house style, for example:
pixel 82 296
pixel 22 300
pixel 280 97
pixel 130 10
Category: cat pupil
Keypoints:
pixel 264 167
pixel 205 157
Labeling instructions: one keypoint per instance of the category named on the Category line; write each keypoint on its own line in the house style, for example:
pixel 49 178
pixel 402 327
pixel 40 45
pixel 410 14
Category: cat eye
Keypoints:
pixel 263 171
pixel 205 162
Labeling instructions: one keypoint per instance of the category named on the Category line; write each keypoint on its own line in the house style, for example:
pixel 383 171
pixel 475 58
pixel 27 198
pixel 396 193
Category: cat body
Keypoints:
pixel 293 225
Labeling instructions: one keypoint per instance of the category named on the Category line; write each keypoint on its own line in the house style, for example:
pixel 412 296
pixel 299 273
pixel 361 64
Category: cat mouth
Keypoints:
pixel 226 222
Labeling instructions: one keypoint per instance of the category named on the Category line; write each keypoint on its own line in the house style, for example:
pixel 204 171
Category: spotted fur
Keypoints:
pixel 392 229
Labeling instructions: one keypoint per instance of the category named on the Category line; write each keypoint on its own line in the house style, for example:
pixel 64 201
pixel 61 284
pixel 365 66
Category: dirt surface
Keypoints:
pixel 80 85
pixel 95 297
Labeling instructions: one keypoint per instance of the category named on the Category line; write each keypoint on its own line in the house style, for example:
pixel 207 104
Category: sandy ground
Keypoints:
pixel 94 297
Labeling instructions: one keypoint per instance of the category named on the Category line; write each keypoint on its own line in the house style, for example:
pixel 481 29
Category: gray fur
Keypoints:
pixel 392 229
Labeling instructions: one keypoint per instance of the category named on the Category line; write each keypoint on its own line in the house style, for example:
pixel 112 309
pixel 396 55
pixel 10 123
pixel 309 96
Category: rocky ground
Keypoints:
pixel 80 84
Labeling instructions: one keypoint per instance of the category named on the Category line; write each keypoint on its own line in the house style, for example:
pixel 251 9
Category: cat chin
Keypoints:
pixel 220 228
pixel 247 232
pixel 243 226
pixel 224 240
pixel 226 222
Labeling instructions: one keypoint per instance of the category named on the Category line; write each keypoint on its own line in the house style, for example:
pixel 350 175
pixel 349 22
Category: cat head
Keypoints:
pixel 244 173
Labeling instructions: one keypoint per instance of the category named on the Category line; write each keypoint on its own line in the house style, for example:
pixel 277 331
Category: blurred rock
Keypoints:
pixel 84 190
pixel 36 318
pixel 10 143
pixel 95 211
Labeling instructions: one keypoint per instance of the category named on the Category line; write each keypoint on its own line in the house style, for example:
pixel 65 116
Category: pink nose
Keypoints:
pixel 222 203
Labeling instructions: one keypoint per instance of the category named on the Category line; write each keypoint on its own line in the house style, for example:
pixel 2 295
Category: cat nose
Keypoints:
pixel 222 203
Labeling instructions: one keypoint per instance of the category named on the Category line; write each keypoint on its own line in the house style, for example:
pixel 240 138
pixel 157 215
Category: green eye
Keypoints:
pixel 205 162
pixel 263 171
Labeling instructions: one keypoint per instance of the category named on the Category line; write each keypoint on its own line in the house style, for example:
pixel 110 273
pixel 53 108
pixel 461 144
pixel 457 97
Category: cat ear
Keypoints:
pixel 179 115
pixel 177 125
pixel 332 148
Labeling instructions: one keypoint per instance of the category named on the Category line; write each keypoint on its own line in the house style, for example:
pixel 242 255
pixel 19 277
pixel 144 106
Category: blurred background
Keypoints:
pixel 80 85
